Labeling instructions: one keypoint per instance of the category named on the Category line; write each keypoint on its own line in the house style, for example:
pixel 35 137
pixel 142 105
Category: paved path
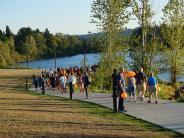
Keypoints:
pixel 166 113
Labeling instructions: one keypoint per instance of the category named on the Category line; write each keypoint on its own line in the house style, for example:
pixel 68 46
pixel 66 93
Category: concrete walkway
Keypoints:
pixel 166 113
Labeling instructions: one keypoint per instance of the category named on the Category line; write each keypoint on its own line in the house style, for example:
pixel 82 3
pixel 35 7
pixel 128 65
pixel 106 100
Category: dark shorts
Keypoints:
pixel 152 89
pixel 131 91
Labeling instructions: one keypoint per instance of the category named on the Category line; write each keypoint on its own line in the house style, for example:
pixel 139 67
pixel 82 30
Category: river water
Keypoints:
pixel 76 60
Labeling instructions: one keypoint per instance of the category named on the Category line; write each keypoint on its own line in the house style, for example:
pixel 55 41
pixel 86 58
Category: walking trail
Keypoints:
pixel 166 113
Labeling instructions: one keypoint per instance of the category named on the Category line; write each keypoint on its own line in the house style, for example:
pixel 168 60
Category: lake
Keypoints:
pixel 76 61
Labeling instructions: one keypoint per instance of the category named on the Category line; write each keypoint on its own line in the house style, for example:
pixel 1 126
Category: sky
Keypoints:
pixel 59 16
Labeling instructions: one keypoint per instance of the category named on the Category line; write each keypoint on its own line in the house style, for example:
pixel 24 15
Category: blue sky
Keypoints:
pixel 65 16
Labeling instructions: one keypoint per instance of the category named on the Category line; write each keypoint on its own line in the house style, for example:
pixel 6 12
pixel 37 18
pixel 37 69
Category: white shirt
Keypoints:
pixel 63 79
pixel 50 73
pixel 72 79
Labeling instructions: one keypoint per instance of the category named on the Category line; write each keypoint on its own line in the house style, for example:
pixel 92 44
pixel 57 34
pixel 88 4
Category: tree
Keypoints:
pixel 110 17
pixel 143 12
pixel 152 50
pixel 47 34
pixel 25 43
pixel 8 32
pixel 173 35
pixel 1 34
pixel 40 43
pixel 2 60
pixel 5 55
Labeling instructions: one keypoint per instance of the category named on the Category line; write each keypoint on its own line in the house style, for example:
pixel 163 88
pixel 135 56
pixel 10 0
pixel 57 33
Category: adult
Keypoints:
pixel 35 82
pixel 42 83
pixel 50 72
pixel 53 82
pixel 115 89
pixel 63 81
pixel 33 78
pixel 71 81
pixel 80 83
pixel 86 82
pixel 152 87
pixel 121 89
pixel 141 79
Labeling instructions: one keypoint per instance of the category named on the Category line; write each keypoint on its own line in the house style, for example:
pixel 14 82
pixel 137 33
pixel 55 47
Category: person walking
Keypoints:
pixel 115 89
pixel 86 82
pixel 132 88
pixel 71 81
pixel 53 82
pixel 80 83
pixel 141 79
pixel 63 81
pixel 42 81
pixel 152 87
pixel 121 89
pixel 36 83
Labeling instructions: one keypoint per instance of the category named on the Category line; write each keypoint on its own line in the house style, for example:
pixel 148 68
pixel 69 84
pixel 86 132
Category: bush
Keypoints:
pixel 179 94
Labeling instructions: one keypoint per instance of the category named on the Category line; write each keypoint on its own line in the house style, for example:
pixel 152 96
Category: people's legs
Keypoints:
pixel 121 104
pixel 82 87
pixel 156 99
pixel 36 86
pixel 61 88
pixel 142 91
pixel 134 93
pixel 71 89
pixel 155 94
pixel 64 89
pixel 139 91
pixel 150 90
pixel 149 96
pixel 114 99
pixel 86 89
pixel 131 93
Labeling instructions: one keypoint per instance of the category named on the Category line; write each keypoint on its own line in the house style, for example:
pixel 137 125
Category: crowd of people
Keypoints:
pixel 64 79
pixel 135 85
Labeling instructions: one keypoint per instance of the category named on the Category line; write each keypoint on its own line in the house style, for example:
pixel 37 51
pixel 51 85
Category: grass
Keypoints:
pixel 18 73
pixel 167 91
pixel 28 114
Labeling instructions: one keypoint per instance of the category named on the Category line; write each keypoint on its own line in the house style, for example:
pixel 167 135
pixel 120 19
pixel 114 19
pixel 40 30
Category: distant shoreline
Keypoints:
pixel 59 56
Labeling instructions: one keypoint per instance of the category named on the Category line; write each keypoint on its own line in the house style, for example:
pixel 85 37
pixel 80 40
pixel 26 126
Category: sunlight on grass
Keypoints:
pixel 27 114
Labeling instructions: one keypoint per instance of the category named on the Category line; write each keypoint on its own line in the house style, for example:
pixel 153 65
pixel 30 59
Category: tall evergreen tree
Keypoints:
pixel 47 33
pixel 8 32
pixel 1 34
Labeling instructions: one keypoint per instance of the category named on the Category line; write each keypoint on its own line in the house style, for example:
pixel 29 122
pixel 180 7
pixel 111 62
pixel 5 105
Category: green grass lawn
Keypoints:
pixel 28 114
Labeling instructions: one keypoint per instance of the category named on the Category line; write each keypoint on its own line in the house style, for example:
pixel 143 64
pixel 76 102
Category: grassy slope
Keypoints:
pixel 26 114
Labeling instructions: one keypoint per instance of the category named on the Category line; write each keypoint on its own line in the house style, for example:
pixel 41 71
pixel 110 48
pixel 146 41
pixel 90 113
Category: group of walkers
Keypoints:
pixel 64 79
pixel 136 84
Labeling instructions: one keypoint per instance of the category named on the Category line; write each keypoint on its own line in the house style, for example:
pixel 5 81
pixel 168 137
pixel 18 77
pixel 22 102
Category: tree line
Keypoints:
pixel 150 46
pixel 34 44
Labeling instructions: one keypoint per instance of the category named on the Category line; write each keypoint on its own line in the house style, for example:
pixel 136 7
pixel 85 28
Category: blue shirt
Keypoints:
pixel 152 81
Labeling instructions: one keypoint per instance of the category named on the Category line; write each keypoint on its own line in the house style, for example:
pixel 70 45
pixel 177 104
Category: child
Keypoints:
pixel 132 88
